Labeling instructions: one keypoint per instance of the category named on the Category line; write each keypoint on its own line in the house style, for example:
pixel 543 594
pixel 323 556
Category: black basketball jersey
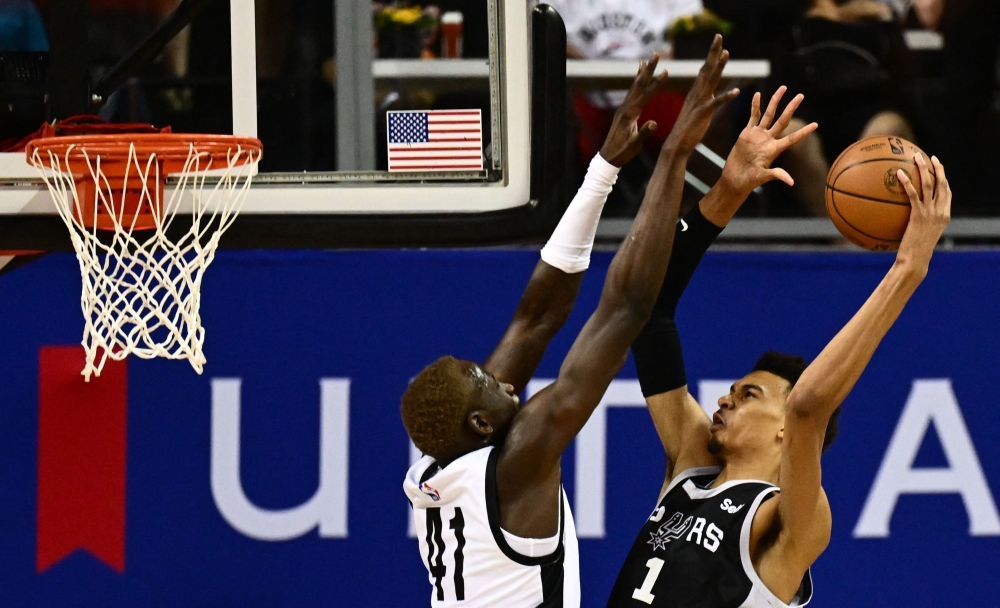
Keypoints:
pixel 694 550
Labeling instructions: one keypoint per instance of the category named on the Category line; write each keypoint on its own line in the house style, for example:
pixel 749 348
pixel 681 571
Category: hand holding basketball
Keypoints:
pixel 865 197
pixel 930 212
pixel 749 163
pixel 626 138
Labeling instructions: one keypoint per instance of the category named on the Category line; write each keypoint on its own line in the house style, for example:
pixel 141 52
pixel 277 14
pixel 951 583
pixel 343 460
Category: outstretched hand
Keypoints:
pixel 930 212
pixel 626 138
pixel 761 142
pixel 701 102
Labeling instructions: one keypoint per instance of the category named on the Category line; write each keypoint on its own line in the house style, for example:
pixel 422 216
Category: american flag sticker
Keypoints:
pixel 436 140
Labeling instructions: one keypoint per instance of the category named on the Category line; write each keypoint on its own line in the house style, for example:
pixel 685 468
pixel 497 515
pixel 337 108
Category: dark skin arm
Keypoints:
pixel 548 299
pixel 528 473
pixel 544 307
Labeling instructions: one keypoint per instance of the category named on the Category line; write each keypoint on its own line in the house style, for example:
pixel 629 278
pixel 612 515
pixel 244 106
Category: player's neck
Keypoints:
pixel 450 456
pixel 749 468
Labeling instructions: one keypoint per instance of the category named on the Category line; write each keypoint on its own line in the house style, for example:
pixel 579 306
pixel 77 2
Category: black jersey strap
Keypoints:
pixel 493 514
pixel 430 471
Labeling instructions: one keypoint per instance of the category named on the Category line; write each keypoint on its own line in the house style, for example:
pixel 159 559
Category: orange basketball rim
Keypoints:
pixel 120 179
pixel 141 283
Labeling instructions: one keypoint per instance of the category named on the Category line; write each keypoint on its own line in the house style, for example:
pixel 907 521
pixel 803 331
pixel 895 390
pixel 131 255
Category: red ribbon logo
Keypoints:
pixel 81 459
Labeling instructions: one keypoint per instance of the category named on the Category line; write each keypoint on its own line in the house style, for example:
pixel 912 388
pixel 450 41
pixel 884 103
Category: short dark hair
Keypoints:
pixel 782 365
pixel 434 405
pixel 790 367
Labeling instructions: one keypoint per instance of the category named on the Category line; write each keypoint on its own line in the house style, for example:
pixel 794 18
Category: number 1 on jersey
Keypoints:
pixel 642 593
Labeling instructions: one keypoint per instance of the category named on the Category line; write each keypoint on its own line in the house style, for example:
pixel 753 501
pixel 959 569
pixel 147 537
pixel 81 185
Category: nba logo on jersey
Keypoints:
pixel 434 494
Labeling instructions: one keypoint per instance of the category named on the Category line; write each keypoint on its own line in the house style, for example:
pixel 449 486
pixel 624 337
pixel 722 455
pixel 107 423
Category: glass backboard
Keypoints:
pixel 319 82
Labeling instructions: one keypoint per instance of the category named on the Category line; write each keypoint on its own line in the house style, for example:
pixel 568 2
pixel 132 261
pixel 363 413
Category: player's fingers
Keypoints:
pixel 640 82
pixel 943 194
pixel 787 142
pixel 786 116
pixel 638 94
pixel 657 86
pixel 725 98
pixel 646 131
pixel 720 65
pixel 772 107
pixel 637 87
pixel 911 192
pixel 939 170
pixel 637 81
pixel 714 52
pixel 706 73
pixel 713 76
pixel 754 111
pixel 926 187
pixel 650 69
pixel 780 175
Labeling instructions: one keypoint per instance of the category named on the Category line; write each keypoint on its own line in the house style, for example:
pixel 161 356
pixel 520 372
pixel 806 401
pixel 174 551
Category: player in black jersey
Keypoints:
pixel 742 514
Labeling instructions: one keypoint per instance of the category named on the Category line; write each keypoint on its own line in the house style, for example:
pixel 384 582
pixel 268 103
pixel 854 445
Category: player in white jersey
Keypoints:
pixel 491 515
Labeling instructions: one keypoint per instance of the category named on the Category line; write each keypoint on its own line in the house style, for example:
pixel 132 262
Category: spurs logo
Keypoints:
pixel 727 506
pixel 673 529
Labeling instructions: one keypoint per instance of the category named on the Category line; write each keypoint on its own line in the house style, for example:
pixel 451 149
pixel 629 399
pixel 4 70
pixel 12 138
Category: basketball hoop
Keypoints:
pixel 141 286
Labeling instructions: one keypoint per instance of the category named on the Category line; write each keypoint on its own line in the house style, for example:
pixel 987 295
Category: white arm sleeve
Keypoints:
pixel 571 242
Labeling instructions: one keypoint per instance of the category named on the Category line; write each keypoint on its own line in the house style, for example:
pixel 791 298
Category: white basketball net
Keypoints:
pixel 144 297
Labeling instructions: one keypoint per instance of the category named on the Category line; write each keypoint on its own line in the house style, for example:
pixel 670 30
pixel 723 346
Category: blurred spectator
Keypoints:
pixel 971 30
pixel 21 27
pixel 118 26
pixel 761 27
pixel 758 25
pixel 23 43
pixel 620 29
pixel 851 61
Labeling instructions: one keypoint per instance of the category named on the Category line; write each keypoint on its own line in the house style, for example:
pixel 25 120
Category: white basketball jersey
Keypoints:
pixel 621 29
pixel 469 562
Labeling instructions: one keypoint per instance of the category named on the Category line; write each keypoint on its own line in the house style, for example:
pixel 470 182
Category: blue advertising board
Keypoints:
pixel 274 479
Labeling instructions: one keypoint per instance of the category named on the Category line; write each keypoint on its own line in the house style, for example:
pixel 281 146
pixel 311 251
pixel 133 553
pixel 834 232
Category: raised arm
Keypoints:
pixel 544 307
pixel 552 418
pixel 803 509
pixel 680 422
pixel 553 287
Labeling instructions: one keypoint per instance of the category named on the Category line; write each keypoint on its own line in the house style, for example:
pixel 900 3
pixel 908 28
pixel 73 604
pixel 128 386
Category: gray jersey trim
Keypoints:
pixel 806 588
pixel 688 474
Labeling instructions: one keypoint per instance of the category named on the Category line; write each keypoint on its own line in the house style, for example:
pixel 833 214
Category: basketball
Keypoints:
pixel 864 196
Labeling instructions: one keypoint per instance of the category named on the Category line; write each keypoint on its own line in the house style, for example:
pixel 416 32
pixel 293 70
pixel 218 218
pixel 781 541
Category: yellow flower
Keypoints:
pixel 407 16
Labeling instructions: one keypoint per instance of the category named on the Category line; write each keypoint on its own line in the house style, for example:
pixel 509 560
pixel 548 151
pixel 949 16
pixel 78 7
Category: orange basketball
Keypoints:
pixel 864 197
